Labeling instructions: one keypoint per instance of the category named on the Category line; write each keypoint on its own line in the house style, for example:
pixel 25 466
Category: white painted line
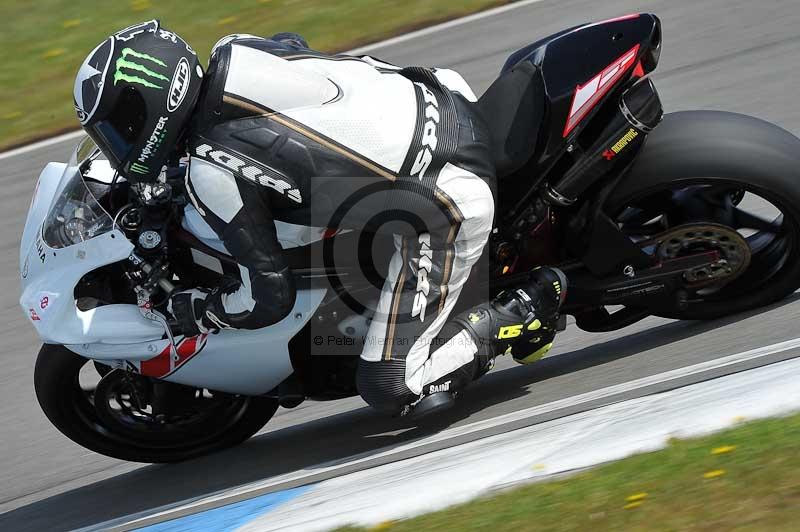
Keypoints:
pixel 446 434
pixel 41 144
pixel 444 26
pixel 458 474
pixel 609 391
pixel 361 50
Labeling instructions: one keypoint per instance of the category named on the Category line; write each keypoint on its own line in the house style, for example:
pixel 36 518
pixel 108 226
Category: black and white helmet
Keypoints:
pixel 134 95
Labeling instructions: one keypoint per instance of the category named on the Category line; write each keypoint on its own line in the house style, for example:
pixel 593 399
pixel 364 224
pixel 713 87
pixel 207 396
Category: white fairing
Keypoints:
pixel 243 362
pixel 249 362
pixel 49 277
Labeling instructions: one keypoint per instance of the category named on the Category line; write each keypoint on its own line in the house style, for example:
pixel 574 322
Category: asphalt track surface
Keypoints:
pixel 718 54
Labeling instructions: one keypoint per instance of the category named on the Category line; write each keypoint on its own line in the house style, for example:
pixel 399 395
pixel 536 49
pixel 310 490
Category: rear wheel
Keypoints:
pixel 724 170
pixel 135 418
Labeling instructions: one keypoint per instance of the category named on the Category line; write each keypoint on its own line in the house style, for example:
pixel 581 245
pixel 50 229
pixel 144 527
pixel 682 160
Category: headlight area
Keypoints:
pixel 75 217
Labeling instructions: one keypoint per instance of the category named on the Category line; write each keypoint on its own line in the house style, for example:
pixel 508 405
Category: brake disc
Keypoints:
pixel 118 402
pixel 689 239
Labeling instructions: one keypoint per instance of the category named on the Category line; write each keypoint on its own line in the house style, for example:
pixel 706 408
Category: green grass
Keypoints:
pixel 43 42
pixel 758 490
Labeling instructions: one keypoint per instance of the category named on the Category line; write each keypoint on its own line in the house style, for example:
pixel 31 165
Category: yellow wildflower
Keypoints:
pixel 55 52
pixel 723 450
pixel 140 5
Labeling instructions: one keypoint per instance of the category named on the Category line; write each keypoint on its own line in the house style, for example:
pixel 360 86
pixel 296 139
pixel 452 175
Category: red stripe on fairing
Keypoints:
pixel 159 366
pixel 608 80
pixel 638 72
pixel 186 348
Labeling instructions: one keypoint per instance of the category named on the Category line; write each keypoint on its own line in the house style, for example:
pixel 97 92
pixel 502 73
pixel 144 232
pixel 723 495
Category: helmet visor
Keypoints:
pixel 111 141
pixel 117 135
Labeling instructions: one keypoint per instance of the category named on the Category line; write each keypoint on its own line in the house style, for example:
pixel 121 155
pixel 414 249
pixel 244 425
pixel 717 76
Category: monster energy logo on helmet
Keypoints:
pixel 153 143
pixel 130 70
pixel 139 168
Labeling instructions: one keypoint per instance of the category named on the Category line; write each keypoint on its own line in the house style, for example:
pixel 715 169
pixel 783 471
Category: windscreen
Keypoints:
pixel 76 216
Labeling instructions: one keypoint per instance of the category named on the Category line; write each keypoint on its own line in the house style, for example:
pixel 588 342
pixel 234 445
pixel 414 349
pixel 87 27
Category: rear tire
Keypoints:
pixel 717 147
pixel 66 405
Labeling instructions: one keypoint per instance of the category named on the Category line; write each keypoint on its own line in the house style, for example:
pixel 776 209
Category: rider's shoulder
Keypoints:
pixel 284 45
pixel 232 38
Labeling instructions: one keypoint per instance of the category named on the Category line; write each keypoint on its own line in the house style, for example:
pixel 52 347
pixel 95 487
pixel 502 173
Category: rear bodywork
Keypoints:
pixel 581 68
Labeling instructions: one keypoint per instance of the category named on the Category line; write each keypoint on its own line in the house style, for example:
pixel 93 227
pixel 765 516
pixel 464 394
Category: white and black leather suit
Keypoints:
pixel 282 132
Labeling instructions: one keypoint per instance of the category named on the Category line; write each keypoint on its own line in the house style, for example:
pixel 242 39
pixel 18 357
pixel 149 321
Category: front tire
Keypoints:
pixel 726 151
pixel 71 409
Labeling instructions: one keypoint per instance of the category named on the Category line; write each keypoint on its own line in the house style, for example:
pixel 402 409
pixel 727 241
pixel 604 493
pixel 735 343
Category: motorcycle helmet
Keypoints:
pixel 134 95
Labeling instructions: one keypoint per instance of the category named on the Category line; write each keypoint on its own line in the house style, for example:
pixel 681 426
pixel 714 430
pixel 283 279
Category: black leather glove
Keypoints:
pixel 294 39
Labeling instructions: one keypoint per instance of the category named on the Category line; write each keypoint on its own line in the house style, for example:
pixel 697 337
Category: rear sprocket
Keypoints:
pixel 734 252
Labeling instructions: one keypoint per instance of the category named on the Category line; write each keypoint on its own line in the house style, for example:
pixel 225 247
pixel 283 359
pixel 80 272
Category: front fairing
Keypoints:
pixel 50 271
pixel 233 361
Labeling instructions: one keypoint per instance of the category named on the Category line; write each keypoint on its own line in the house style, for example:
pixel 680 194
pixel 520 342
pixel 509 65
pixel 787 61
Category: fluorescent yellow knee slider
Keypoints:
pixel 536 356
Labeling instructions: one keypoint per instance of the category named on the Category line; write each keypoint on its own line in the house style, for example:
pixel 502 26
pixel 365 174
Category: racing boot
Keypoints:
pixel 521 322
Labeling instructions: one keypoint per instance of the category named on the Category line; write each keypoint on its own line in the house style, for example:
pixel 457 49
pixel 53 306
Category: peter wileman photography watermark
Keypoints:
pixel 378 341
pixel 393 237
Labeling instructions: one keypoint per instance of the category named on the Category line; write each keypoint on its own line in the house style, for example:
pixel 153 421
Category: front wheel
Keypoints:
pixel 139 419
pixel 723 174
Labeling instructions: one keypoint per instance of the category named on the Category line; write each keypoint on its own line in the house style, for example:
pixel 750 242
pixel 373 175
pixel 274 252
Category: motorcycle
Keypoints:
pixel 690 215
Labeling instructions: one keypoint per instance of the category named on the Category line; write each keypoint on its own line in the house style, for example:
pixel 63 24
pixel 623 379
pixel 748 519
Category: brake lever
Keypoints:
pixel 144 297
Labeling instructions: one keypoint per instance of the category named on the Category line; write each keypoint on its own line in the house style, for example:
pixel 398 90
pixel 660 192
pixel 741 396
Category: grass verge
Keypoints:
pixel 44 42
pixel 744 479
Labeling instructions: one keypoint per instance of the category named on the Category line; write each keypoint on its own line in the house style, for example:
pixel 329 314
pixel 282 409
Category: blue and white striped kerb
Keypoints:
pixel 410 485
pixel 231 517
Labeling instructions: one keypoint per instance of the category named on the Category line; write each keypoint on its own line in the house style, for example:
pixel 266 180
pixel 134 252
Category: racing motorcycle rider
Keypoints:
pixel 261 124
